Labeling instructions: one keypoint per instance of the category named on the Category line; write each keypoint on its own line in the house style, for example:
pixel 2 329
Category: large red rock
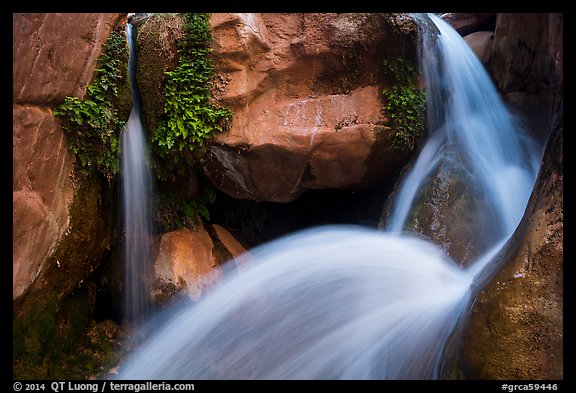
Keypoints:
pixel 306 92
pixel 42 191
pixel 54 54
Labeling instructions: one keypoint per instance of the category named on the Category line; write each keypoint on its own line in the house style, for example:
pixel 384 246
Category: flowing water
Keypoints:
pixel 136 193
pixel 347 302
pixel 467 119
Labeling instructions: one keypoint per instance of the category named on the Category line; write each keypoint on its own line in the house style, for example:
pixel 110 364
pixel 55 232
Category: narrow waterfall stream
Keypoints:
pixel 136 196
pixel 347 302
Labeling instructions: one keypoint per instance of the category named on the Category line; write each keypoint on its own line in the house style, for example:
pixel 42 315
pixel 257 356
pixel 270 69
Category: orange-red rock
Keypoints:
pixel 187 261
pixel 54 54
pixel 42 191
pixel 306 94
pixel 467 23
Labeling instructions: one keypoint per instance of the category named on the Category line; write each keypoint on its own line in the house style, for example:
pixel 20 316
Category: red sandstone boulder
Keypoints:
pixel 189 261
pixel 306 92
pixel 54 55
pixel 481 44
pixel 42 191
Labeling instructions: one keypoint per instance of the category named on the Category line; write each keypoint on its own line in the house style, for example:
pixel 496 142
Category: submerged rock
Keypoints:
pixel 453 213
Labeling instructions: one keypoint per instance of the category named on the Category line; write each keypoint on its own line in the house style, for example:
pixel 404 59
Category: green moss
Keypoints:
pixel 405 104
pixel 190 117
pixel 49 321
pixel 46 333
pixel 54 340
pixel 94 124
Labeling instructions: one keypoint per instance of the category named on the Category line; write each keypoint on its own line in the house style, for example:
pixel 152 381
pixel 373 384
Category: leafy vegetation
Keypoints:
pixel 405 103
pixel 190 118
pixel 175 212
pixel 93 125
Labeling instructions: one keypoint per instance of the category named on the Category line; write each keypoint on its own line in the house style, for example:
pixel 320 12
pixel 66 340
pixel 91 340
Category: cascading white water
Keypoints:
pixel 136 193
pixel 346 302
pixel 340 302
pixel 467 119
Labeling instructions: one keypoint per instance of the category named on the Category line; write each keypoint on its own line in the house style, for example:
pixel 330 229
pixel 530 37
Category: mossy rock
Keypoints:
pixel 93 125
pixel 156 55
pixel 451 212
pixel 50 319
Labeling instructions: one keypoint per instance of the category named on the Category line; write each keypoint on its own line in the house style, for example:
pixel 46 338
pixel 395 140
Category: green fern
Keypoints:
pixel 405 103
pixel 190 118
pixel 93 125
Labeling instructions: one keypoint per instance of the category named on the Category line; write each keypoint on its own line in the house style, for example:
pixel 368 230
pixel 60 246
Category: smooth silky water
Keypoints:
pixel 348 302
pixel 136 214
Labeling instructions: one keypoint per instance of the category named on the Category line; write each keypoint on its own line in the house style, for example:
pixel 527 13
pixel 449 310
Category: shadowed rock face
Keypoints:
pixel 526 64
pixel 468 23
pixel 306 93
pixel 515 330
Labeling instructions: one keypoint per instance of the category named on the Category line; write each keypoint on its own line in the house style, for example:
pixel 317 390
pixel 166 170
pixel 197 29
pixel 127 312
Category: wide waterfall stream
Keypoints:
pixel 348 302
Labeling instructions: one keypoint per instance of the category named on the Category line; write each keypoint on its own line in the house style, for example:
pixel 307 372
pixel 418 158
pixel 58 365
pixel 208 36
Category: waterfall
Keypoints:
pixel 347 302
pixel 467 119
pixel 136 192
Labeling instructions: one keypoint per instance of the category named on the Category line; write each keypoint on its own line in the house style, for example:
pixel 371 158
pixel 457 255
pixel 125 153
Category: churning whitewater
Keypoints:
pixel 347 302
